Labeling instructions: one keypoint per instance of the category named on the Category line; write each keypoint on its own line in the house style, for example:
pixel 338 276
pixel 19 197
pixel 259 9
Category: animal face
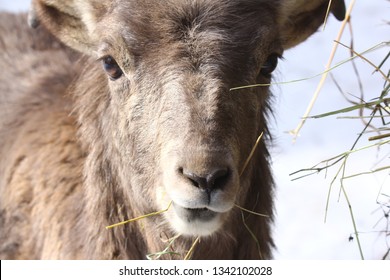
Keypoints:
pixel 169 69
pixel 179 134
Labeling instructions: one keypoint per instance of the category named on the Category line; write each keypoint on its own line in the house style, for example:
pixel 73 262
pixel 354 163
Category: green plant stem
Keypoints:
pixel 353 222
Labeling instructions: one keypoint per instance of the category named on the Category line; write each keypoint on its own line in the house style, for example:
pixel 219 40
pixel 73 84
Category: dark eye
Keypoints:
pixel 112 68
pixel 270 65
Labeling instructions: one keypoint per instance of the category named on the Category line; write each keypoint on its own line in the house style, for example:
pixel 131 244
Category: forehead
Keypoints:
pixel 205 31
pixel 155 20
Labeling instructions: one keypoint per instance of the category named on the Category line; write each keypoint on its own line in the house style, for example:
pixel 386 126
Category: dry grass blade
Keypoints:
pixel 246 210
pixel 325 164
pixel 384 168
pixel 140 217
pixel 352 108
pixel 251 212
pixel 377 68
pixel 252 234
pixel 251 153
pixel 296 131
pixel 379 137
pixel 374 112
pixel 327 14
pixel 166 251
pixel 191 250
pixel 321 74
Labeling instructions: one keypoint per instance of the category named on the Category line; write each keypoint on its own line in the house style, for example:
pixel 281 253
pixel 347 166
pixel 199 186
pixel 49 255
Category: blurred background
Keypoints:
pixel 300 229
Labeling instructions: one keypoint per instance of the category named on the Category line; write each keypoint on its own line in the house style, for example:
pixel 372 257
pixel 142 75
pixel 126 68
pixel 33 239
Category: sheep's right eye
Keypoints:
pixel 112 68
pixel 269 65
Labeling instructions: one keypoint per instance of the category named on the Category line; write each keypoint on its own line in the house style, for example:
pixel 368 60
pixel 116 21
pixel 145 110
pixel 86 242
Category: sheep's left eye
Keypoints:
pixel 112 68
pixel 270 65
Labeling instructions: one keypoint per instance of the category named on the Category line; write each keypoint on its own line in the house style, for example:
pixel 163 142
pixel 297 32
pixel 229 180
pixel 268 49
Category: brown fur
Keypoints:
pixel 79 152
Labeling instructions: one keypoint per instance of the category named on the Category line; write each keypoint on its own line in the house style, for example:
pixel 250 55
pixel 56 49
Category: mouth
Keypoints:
pixel 196 221
pixel 194 214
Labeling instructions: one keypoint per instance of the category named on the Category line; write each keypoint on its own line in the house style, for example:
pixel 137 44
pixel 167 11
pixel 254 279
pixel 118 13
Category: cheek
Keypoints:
pixel 121 89
pixel 247 121
pixel 134 134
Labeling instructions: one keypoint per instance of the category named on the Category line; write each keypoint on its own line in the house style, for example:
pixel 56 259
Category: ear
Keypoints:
pixel 71 21
pixel 299 18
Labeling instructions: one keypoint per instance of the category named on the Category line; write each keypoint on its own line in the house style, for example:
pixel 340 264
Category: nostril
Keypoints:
pixel 218 178
pixel 215 179
pixel 196 181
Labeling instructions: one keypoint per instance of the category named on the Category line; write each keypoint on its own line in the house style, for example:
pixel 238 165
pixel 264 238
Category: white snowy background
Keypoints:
pixel 300 230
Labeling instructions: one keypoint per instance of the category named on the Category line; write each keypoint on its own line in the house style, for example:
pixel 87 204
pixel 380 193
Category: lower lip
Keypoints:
pixel 194 214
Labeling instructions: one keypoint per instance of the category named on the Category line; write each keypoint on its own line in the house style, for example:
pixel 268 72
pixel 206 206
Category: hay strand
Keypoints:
pixel 140 217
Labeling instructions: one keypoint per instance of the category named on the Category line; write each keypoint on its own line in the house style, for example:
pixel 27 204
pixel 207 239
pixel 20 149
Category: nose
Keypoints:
pixel 215 179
